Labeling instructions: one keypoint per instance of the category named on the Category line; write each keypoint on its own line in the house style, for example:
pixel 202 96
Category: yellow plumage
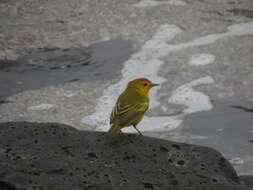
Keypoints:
pixel 131 106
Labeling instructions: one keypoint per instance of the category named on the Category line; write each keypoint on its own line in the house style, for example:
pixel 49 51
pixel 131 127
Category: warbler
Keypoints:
pixel 131 106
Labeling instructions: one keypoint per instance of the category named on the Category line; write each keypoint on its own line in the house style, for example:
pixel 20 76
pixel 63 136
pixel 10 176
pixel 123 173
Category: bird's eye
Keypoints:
pixel 145 84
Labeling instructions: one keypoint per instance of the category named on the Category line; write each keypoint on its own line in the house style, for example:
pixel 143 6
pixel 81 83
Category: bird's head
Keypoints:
pixel 142 85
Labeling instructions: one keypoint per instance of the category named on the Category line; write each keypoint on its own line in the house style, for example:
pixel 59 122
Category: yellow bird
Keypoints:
pixel 131 106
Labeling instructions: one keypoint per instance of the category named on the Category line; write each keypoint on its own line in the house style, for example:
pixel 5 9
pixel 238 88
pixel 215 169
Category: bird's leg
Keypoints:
pixel 138 130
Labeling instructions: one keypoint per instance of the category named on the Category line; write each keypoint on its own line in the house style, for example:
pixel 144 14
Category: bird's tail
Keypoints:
pixel 114 130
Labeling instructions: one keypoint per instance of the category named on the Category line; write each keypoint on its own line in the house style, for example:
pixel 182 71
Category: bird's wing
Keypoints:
pixel 127 112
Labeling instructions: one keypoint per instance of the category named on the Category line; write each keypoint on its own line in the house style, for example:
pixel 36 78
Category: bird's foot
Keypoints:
pixel 140 134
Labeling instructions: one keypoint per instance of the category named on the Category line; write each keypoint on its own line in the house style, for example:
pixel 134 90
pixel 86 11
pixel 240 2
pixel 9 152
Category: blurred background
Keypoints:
pixel 68 60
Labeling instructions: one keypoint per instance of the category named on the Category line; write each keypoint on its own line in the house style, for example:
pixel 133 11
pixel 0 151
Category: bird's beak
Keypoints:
pixel 154 84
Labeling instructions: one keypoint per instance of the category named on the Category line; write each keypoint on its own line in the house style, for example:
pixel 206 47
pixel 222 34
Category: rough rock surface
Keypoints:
pixel 55 156
pixel 247 180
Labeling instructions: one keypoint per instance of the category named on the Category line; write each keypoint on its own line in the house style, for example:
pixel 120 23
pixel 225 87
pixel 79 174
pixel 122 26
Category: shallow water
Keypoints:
pixel 48 67
pixel 228 128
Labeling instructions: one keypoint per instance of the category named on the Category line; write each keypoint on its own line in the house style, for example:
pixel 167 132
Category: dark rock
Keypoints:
pixel 7 186
pixel 54 156
pixel 247 180
pixel 5 65
pixel 243 108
